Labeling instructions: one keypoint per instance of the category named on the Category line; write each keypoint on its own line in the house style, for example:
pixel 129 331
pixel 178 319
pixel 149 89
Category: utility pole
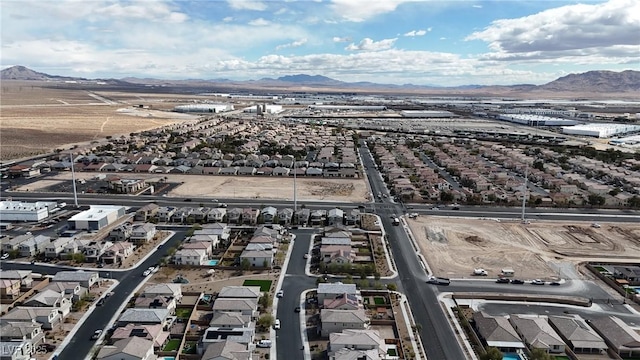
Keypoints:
pixel 295 195
pixel 524 193
pixel 73 180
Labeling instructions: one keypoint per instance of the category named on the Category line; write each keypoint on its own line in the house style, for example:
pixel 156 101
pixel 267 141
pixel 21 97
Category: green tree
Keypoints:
pixel 539 354
pixel 245 264
pixel 596 200
pixel 392 287
pixel 265 301
pixel 491 353
pixel 634 202
pixel 265 321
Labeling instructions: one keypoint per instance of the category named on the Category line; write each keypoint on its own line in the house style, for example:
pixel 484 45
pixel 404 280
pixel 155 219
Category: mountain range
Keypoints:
pixel 591 82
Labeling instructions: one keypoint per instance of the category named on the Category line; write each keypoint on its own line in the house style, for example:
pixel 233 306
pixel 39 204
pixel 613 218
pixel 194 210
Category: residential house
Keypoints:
pixel 142 234
pixel 24 277
pixel 333 290
pixel 337 254
pixel 33 245
pixel 577 334
pixel 116 253
pixel 240 292
pixel 9 245
pixel 158 302
pixel 357 341
pixel 53 249
pixel 72 290
pixel 302 216
pixel 190 257
pixel 9 289
pixel 165 213
pixel 620 337
pixel 121 232
pixel 269 214
pixel 140 316
pixel 181 215
pixel 50 298
pixel 49 317
pixel 230 320
pixel 342 302
pixel 352 217
pixel 200 244
pixel 285 216
pixel 318 217
pixel 250 216
pixel 165 289
pixel 226 349
pixel 72 247
pixel 537 333
pixel 244 306
pixel 86 279
pixel 220 231
pixel 234 216
pixel 257 258
pixel 335 321
pixel 497 331
pixel 154 333
pixel 133 348
pixel 631 274
pixel 216 215
pixel 147 212
pixel 335 217
pixel 15 332
pixel 94 251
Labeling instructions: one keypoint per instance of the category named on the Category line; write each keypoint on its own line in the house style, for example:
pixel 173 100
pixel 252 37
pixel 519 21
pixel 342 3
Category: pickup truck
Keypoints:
pixel 438 280
pixel 395 222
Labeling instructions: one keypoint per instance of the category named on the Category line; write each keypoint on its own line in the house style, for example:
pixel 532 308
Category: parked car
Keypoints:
pixel 264 344
pixel 148 271
pixel 306 256
pixel 537 282
pixel 100 302
pixel 96 334
pixel 5 256
pixel 276 324
pixel 297 309
pixel 554 283
pixel 46 347
pixel 280 294
pixel 517 281
pixel 503 281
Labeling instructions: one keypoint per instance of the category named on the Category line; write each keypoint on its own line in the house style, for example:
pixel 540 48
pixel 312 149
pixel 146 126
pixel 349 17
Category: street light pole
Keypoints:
pixel 295 198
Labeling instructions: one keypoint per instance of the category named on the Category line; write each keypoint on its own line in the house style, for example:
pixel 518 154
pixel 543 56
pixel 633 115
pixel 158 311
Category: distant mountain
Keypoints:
pixel 588 82
pixel 23 73
pixel 597 81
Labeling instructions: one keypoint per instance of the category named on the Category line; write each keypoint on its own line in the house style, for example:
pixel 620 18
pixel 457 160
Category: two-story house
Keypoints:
pixel 116 253
pixel 33 246
pixel 142 234
pixel 53 249
pixel 335 321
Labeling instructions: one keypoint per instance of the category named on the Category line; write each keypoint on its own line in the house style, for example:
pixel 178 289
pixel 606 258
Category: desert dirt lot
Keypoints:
pixel 244 187
pixel 453 247
pixel 35 119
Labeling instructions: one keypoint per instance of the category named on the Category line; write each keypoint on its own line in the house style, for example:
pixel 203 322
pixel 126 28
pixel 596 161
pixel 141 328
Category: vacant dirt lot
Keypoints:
pixel 454 247
pixel 244 187
pixel 35 119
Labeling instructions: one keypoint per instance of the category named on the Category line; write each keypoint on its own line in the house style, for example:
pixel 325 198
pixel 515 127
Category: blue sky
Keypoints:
pixel 445 43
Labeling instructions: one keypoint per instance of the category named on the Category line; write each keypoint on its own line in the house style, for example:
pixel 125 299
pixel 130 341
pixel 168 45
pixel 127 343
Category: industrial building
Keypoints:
pixel 536 120
pixel 348 107
pixel 204 108
pixel 263 109
pixel 600 130
pixel 427 114
pixel 25 211
pixel 97 217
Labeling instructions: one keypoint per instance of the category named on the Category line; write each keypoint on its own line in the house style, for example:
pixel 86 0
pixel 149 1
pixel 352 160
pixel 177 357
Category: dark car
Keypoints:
pixel 100 302
pixel 555 283
pixel 47 347
pixel 188 200
pixel 517 281
pixel 503 281
pixel 297 309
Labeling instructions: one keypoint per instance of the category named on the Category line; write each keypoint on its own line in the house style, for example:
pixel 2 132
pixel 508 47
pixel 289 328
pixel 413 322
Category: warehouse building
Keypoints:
pixel 427 114
pixel 97 217
pixel 263 109
pixel 348 107
pixel 204 108
pixel 600 130
pixel 25 211
pixel 536 120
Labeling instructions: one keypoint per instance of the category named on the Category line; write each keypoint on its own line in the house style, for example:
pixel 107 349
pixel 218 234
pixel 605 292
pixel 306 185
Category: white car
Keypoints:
pixel 537 282
pixel 280 294
pixel 306 256
pixel 5 256
pixel 149 271
pixel 276 324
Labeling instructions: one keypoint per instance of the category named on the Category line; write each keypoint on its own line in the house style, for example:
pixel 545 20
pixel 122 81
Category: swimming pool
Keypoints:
pixel 213 262
pixel 511 356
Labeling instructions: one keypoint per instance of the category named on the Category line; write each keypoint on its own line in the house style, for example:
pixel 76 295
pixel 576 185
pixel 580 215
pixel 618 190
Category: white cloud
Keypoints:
pixel 362 10
pixel 293 44
pixel 413 33
pixel 259 22
pixel 247 5
pixel 341 39
pixel 477 6
pixel 567 30
pixel 156 12
pixel 228 19
pixel 369 45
